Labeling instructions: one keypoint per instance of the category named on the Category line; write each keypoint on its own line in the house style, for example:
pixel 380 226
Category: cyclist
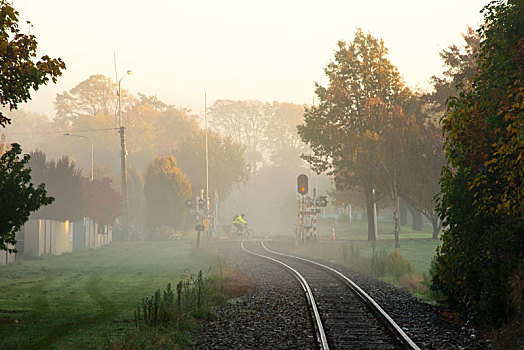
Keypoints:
pixel 240 223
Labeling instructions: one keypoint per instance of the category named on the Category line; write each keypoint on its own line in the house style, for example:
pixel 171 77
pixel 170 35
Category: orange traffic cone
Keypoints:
pixel 333 233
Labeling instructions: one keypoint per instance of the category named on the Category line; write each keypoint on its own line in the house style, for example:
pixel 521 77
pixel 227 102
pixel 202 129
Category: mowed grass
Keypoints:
pixel 79 300
pixel 358 230
pixel 416 246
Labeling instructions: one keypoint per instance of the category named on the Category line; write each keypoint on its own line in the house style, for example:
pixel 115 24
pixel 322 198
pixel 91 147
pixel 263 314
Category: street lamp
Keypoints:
pixel 125 207
pixel 87 138
pixel 120 123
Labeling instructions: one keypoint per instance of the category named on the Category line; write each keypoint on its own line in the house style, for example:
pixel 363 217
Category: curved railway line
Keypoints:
pixel 343 315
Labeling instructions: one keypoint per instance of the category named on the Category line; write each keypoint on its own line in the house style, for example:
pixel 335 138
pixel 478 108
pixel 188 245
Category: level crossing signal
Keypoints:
pixel 191 202
pixel 321 201
pixel 302 184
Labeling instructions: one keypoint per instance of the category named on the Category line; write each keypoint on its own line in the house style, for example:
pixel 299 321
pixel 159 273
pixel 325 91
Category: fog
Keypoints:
pixel 259 82
pixel 145 145
pixel 271 51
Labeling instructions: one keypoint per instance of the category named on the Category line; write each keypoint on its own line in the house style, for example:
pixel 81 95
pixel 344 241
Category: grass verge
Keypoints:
pixel 87 300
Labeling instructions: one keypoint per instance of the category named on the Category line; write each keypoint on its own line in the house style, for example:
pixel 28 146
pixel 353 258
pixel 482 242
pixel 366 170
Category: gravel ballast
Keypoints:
pixel 275 316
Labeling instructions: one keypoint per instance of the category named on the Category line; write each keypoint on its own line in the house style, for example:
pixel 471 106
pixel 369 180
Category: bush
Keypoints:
pixel 379 264
pixel 481 200
pixel 477 282
pixel 390 264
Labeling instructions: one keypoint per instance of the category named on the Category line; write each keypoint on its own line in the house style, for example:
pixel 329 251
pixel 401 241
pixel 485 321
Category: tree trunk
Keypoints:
pixel 369 211
pixel 417 221
pixel 417 218
pixel 396 219
pixel 403 213
pixel 437 226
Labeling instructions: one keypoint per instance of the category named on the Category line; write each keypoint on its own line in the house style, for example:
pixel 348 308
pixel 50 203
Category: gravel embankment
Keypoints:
pixel 274 317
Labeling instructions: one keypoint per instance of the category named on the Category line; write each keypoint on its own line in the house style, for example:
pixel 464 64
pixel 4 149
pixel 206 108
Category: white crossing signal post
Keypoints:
pixel 308 208
pixel 302 188
pixel 198 204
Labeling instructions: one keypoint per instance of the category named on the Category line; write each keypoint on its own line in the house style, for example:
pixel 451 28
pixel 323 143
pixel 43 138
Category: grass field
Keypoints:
pixel 79 300
pixel 416 246
pixel 352 248
pixel 84 299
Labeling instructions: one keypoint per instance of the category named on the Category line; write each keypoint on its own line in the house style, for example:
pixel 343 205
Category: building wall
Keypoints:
pixel 6 258
pixel 33 244
pixel 54 237
pixel 63 238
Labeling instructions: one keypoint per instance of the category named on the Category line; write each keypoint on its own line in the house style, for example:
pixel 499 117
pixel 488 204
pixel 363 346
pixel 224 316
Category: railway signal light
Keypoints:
pixel 302 184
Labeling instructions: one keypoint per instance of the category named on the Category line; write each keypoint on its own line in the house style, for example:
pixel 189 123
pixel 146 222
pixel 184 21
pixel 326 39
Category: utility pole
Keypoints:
pixel 207 156
pixel 123 159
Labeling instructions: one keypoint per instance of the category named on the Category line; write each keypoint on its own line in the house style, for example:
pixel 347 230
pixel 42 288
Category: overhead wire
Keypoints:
pixel 60 132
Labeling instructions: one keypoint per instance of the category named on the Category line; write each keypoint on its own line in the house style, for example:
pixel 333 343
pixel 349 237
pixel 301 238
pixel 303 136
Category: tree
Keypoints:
pixel 176 125
pixel 30 129
pixel 166 189
pixel 245 122
pixel 482 200
pixel 153 128
pixel 392 148
pixel 93 96
pixel 227 166
pixel 18 195
pixel 281 137
pixel 103 204
pixel 3 144
pixel 461 67
pixel 136 199
pixel 90 105
pixel 425 187
pixel 19 73
pixel 359 74
pixel 64 183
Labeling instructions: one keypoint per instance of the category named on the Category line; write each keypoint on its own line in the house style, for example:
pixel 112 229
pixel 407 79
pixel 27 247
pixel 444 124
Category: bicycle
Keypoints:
pixel 244 231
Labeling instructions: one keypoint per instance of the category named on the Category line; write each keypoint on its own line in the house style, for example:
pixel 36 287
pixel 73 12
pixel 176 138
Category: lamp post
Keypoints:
pixel 120 122
pixel 123 157
pixel 88 139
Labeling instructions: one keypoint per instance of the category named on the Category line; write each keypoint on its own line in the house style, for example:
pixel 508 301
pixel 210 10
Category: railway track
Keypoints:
pixel 343 315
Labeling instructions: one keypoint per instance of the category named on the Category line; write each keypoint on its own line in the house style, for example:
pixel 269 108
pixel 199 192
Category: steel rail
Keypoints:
pixel 319 327
pixel 394 328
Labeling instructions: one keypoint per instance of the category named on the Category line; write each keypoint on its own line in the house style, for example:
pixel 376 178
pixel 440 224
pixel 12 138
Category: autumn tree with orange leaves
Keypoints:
pixel 344 129
pixel 166 189
pixel 19 72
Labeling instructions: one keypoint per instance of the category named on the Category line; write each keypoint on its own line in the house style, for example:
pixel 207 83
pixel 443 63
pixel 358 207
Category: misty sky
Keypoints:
pixel 264 50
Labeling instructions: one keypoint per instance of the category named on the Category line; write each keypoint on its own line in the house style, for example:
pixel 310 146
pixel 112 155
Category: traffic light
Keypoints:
pixel 302 184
